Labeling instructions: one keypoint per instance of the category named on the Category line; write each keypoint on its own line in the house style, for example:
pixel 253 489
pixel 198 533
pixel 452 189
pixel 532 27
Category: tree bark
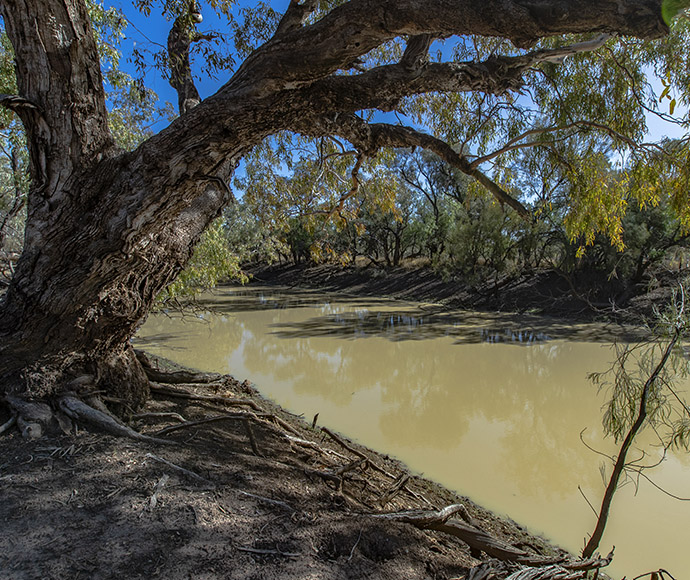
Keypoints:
pixel 108 230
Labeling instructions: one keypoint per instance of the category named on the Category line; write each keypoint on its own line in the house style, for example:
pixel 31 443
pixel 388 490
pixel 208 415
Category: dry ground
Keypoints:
pixel 262 496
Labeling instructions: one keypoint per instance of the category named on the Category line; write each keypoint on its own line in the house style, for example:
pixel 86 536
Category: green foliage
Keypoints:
pixel 641 375
pixel 671 8
pixel 211 263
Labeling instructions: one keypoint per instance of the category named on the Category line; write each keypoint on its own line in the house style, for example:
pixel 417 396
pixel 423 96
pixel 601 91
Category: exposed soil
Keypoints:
pixel 584 298
pixel 287 500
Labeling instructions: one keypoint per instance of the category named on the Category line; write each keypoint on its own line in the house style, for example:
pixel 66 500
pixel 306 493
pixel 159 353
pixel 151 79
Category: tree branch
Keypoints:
pixel 295 15
pixel 369 138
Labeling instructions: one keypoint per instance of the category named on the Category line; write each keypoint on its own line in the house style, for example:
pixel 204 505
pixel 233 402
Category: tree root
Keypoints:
pixel 174 377
pixel 35 419
pixel 81 412
pixel 184 394
pixel 9 424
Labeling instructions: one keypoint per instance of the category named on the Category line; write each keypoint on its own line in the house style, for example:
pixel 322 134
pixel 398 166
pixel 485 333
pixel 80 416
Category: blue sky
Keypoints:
pixel 150 33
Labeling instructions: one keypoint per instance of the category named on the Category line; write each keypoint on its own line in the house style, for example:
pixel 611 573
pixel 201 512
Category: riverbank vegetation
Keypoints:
pixel 493 145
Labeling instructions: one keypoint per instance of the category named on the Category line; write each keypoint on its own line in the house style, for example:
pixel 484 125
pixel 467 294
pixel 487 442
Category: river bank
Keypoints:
pixel 259 495
pixel 544 293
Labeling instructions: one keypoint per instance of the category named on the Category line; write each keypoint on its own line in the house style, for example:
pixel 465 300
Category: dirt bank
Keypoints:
pixel 254 493
pixel 544 293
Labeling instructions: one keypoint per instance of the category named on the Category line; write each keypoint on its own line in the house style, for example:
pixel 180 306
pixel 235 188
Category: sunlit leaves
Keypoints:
pixel 672 8
pixel 212 262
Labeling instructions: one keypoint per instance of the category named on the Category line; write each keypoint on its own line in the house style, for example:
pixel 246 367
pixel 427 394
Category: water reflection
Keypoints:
pixel 490 405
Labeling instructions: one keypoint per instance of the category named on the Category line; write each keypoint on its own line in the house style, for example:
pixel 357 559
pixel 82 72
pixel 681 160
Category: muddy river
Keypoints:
pixel 493 406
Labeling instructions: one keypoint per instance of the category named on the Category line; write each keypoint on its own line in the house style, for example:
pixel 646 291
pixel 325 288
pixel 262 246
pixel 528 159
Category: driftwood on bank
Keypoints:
pixel 536 567
pixel 473 537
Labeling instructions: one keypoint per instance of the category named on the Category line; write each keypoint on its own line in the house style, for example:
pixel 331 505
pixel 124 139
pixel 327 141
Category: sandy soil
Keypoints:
pixel 259 496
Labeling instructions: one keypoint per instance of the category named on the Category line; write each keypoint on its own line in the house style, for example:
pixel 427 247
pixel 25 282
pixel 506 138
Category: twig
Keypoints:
pixel 182 470
pixel 269 500
pixel 268 552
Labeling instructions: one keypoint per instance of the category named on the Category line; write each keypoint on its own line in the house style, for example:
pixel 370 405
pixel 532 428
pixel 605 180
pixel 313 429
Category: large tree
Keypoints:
pixel 107 230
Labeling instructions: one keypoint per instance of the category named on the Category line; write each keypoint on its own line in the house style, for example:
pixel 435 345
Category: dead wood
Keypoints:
pixel 352 450
pixel 182 470
pixel 473 537
pixel 174 377
pixel 81 412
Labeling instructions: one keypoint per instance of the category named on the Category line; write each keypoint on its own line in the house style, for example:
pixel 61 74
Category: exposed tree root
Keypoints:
pixel 9 424
pixel 184 394
pixel 174 377
pixel 83 413
pixel 34 419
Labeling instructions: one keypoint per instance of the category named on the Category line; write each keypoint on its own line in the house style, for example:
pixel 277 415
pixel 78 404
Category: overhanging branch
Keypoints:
pixel 369 138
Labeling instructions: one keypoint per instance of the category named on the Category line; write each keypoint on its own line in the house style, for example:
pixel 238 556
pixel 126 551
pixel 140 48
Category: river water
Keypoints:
pixel 492 406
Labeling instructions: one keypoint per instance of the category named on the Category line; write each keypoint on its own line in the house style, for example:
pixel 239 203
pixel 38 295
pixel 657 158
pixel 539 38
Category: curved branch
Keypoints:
pixel 369 138
pixel 306 53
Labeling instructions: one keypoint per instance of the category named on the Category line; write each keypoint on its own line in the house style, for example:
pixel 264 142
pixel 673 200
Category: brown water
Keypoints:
pixel 489 405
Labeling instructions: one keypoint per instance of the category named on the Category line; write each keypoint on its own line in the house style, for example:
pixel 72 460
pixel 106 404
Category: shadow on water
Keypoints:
pixel 350 317
pixel 234 300
pixel 464 327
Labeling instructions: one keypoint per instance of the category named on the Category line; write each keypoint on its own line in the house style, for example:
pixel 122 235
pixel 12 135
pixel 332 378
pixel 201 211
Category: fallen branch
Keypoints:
pixel 182 470
pixel 473 537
